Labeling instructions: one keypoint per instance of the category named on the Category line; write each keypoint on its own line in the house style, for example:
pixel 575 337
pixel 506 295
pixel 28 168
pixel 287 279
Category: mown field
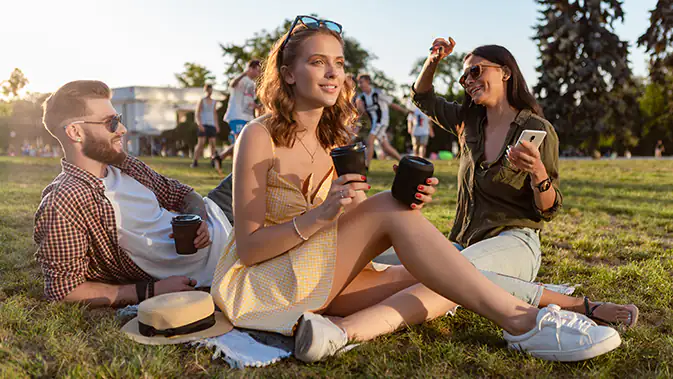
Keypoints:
pixel 614 239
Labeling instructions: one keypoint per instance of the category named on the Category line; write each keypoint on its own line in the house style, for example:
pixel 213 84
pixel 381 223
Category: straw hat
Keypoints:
pixel 175 318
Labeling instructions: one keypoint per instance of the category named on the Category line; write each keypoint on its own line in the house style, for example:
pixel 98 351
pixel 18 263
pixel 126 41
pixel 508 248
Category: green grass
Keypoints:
pixel 614 238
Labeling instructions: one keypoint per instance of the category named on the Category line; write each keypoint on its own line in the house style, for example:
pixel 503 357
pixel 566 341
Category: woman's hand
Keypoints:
pixel 441 48
pixel 526 157
pixel 341 194
pixel 424 192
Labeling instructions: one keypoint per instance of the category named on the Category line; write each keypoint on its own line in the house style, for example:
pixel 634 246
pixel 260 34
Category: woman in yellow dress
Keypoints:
pixel 304 239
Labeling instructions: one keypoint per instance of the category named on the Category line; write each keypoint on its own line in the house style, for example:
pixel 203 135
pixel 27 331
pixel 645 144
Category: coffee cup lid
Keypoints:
pixel 357 147
pixel 419 160
pixel 186 219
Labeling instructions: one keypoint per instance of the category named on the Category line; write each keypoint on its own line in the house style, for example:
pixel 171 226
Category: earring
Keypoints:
pixel 79 140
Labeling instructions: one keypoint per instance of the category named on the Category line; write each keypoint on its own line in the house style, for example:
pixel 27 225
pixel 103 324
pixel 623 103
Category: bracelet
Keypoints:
pixel 294 222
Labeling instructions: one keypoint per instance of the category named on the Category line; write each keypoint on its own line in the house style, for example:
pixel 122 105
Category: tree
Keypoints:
pixel 357 60
pixel 194 75
pixel 446 85
pixel 658 40
pixel 16 82
pixel 657 101
pixel 259 45
pixel 584 69
pixel 447 75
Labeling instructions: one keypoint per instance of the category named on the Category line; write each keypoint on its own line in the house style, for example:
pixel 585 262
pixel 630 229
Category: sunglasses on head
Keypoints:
pixel 311 23
pixel 111 124
pixel 475 72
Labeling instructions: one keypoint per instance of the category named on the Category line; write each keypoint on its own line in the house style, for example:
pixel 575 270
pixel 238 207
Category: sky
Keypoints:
pixel 144 43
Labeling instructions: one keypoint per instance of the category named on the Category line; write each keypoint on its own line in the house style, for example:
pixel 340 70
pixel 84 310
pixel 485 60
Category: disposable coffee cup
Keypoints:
pixel 411 172
pixel 184 232
pixel 350 159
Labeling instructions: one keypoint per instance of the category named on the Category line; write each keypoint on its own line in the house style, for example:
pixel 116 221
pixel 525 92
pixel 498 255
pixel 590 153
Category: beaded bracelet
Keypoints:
pixel 294 222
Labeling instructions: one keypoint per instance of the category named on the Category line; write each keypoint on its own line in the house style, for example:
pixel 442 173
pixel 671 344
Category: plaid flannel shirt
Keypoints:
pixel 76 232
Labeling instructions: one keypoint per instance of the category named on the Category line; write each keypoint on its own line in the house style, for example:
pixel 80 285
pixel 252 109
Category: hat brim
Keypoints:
pixel 222 326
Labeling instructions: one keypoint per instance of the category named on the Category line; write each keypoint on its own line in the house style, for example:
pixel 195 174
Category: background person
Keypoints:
pixel 208 126
pixel 375 104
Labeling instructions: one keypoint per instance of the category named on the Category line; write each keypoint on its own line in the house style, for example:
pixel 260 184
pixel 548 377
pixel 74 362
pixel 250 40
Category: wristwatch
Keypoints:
pixel 544 185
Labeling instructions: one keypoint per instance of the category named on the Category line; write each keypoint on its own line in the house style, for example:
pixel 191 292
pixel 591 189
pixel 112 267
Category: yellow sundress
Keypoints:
pixel 272 295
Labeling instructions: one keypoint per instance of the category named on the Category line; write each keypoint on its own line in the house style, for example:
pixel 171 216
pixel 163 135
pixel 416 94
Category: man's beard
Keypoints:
pixel 101 150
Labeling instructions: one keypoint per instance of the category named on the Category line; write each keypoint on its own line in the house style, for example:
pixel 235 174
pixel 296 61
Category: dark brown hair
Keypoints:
pixel 69 102
pixel 518 94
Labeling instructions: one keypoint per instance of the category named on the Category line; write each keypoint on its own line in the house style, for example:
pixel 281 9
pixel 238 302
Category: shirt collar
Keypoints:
pixel 522 117
pixel 83 175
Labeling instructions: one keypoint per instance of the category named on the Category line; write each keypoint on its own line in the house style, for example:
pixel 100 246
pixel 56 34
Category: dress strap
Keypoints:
pixel 273 145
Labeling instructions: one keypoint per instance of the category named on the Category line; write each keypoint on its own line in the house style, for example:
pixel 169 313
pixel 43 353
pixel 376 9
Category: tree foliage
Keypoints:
pixel 236 56
pixel 658 40
pixel 447 74
pixel 194 75
pixel 11 87
pixel 584 69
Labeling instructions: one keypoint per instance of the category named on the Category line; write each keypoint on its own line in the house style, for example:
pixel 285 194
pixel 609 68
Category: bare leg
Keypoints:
pixel 369 229
pixel 198 151
pixel 607 311
pixel 229 152
pixel 370 148
pixel 389 149
pixel 421 151
pixel 393 298
pixel 416 150
pixel 212 143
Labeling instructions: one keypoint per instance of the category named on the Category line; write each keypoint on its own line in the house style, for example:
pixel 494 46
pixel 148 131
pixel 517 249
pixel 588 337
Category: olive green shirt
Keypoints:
pixel 492 196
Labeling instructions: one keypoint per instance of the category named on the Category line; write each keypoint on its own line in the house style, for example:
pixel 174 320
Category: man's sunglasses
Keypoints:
pixel 311 23
pixel 475 72
pixel 111 125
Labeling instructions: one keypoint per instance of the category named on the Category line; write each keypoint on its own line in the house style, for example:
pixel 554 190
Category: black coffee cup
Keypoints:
pixel 411 172
pixel 350 159
pixel 184 233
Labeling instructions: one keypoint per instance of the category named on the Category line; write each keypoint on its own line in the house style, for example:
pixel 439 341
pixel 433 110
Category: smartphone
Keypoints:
pixel 533 136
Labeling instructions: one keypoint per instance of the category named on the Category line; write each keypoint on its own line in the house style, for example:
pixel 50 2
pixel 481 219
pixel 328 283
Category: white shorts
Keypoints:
pixel 379 131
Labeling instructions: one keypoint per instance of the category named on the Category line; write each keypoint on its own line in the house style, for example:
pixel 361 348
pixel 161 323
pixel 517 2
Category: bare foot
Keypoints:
pixel 611 313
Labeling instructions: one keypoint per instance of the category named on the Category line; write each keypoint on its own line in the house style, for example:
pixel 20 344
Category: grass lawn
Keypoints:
pixel 614 238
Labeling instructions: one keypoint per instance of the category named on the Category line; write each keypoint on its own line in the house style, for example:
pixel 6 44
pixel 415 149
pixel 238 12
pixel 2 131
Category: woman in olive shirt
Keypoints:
pixel 505 192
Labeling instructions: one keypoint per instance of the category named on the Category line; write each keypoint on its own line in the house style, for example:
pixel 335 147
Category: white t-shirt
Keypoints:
pixel 143 227
pixel 376 103
pixel 420 123
pixel 241 101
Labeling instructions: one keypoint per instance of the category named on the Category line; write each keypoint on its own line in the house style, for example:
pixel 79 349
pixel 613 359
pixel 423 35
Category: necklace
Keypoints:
pixel 312 155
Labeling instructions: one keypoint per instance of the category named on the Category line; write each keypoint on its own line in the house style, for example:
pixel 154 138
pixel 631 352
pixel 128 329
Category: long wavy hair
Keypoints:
pixel 278 99
pixel 518 94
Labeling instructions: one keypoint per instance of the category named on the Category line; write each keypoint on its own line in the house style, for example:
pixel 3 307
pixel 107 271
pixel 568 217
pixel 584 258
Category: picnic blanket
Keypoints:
pixel 242 348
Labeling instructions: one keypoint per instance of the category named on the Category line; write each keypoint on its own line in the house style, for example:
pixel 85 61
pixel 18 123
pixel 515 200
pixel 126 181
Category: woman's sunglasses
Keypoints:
pixel 311 23
pixel 475 72
pixel 111 125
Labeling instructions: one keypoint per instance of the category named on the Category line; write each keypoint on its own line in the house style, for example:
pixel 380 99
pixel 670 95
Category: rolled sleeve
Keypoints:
pixel 441 112
pixel 549 214
pixel 61 253
pixel 550 159
pixel 169 192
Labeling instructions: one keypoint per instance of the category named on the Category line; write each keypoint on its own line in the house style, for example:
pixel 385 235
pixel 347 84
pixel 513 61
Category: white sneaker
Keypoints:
pixel 317 338
pixel 564 336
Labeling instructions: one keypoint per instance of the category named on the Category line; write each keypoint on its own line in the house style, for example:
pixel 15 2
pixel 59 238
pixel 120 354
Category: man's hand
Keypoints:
pixel 174 284
pixel 202 236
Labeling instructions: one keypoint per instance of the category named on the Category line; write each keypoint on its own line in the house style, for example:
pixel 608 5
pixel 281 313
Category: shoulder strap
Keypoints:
pixel 273 145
